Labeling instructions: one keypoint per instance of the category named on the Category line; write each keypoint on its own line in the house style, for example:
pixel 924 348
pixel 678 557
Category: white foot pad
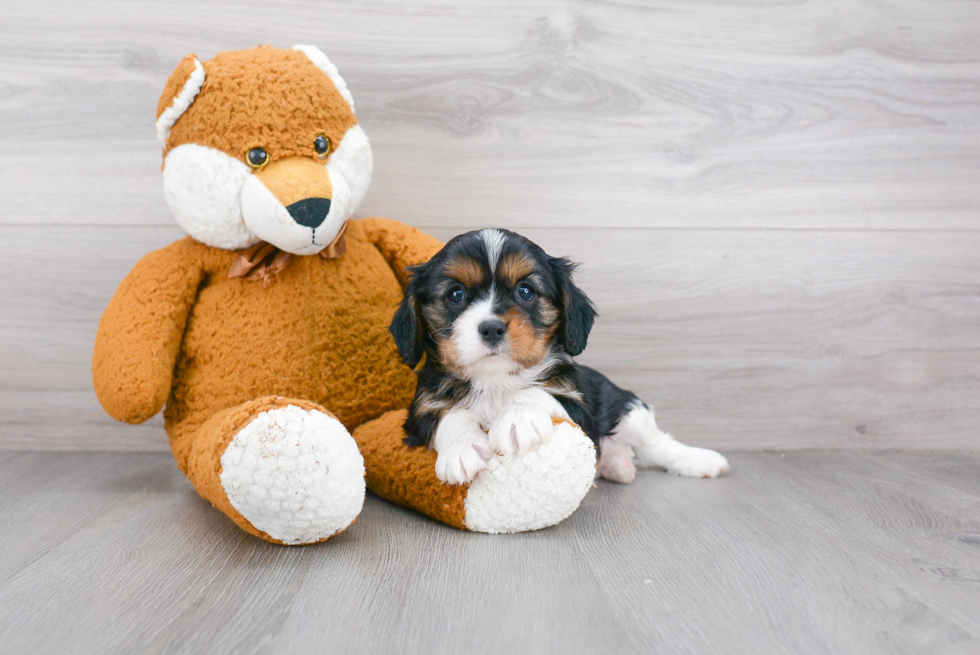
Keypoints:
pixel 698 463
pixel 534 489
pixel 295 474
pixel 616 462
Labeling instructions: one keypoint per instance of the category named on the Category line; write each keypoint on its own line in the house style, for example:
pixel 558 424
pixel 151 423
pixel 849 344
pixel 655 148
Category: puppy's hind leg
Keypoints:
pixel 615 460
pixel 653 447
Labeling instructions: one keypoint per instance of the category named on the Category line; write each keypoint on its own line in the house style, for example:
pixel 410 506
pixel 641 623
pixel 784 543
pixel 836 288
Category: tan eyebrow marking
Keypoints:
pixel 515 267
pixel 465 270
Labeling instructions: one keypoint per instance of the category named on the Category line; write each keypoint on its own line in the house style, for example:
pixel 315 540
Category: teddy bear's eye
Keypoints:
pixel 322 145
pixel 257 157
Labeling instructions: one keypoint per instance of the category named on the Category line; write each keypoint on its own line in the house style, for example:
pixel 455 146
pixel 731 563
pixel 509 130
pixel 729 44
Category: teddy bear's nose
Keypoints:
pixel 310 212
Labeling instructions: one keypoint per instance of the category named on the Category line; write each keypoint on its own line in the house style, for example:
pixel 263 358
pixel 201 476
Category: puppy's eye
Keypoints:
pixel 456 296
pixel 525 293
pixel 322 146
pixel 257 157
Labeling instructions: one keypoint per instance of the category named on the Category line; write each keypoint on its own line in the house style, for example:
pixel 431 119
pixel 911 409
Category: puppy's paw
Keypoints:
pixel 616 462
pixel 520 427
pixel 699 463
pixel 459 461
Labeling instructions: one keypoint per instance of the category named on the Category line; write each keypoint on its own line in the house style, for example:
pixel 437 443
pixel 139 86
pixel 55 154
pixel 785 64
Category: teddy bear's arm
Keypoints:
pixel 401 245
pixel 140 333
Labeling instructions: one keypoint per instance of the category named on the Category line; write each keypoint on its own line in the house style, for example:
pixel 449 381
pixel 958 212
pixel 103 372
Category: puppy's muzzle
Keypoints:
pixel 310 212
pixel 492 332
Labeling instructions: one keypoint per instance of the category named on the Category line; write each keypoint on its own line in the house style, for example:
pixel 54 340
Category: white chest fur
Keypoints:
pixel 487 400
pixel 507 410
pixel 494 389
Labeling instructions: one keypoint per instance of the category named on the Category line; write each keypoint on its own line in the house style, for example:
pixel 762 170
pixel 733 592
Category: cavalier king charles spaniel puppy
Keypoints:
pixel 498 322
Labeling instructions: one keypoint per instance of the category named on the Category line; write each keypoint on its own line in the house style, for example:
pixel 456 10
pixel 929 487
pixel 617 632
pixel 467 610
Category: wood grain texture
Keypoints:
pixel 830 552
pixel 543 113
pixel 775 202
pixel 740 339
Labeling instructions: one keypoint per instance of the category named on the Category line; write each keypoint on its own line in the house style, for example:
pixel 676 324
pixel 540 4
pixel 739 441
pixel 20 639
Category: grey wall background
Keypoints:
pixel 775 203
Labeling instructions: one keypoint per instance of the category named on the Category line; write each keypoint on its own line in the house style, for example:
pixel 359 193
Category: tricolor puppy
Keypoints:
pixel 498 322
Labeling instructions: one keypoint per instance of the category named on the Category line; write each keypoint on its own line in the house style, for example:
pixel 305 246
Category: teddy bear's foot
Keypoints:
pixel 294 474
pixel 283 470
pixel 515 493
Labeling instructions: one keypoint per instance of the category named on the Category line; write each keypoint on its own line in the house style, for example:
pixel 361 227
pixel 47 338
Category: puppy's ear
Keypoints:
pixel 406 326
pixel 578 312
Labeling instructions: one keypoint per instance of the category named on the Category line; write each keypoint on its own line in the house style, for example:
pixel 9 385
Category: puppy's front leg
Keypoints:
pixel 525 422
pixel 462 447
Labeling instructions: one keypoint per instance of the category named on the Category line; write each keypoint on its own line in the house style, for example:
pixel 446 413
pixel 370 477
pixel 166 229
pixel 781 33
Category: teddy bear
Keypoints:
pixel 264 332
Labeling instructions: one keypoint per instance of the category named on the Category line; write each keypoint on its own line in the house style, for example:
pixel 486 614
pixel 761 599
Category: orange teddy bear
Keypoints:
pixel 265 330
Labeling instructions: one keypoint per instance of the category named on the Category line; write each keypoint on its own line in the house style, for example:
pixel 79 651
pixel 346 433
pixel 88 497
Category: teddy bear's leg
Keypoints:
pixel 284 470
pixel 515 493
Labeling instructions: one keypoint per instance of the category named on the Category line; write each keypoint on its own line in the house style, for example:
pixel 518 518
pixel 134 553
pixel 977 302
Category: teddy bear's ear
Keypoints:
pixel 181 89
pixel 320 60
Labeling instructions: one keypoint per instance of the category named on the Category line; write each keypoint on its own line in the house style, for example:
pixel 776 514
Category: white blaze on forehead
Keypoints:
pixel 181 102
pixel 494 241
pixel 320 60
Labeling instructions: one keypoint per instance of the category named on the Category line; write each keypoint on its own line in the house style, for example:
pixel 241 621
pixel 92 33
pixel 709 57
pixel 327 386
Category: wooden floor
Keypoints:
pixel 775 206
pixel 802 552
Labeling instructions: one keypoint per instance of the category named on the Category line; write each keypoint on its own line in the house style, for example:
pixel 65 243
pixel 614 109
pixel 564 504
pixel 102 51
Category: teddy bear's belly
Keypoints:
pixel 318 332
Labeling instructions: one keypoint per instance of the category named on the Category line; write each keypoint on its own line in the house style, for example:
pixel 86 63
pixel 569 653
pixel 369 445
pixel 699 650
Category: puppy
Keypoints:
pixel 498 322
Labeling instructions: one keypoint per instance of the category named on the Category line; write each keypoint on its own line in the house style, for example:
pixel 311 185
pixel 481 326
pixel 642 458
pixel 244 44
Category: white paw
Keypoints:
pixel 699 463
pixel 616 462
pixel 520 427
pixel 295 474
pixel 462 458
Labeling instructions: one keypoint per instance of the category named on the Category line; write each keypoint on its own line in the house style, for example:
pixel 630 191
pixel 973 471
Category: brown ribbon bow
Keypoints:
pixel 263 260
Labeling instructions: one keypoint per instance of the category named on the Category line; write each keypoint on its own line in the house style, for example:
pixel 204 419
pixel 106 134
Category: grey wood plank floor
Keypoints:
pixel 797 552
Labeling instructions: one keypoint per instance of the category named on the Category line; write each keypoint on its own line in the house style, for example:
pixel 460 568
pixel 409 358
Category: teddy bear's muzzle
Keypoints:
pixel 296 204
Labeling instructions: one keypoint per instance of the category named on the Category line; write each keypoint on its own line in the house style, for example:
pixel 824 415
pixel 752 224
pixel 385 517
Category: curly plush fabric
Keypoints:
pixel 176 99
pixel 205 465
pixel 180 331
pixel 263 382
pixel 141 330
pixel 407 476
pixel 516 493
pixel 293 470
pixel 321 327
pixel 233 116
pixel 535 489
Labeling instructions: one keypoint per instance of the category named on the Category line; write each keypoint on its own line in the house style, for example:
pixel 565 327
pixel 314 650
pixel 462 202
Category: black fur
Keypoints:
pixel 591 400
pixel 433 385
pixel 406 325
pixel 579 312
pixel 602 403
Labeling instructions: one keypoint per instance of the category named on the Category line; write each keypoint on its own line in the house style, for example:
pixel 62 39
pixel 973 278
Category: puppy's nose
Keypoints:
pixel 310 212
pixel 493 331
